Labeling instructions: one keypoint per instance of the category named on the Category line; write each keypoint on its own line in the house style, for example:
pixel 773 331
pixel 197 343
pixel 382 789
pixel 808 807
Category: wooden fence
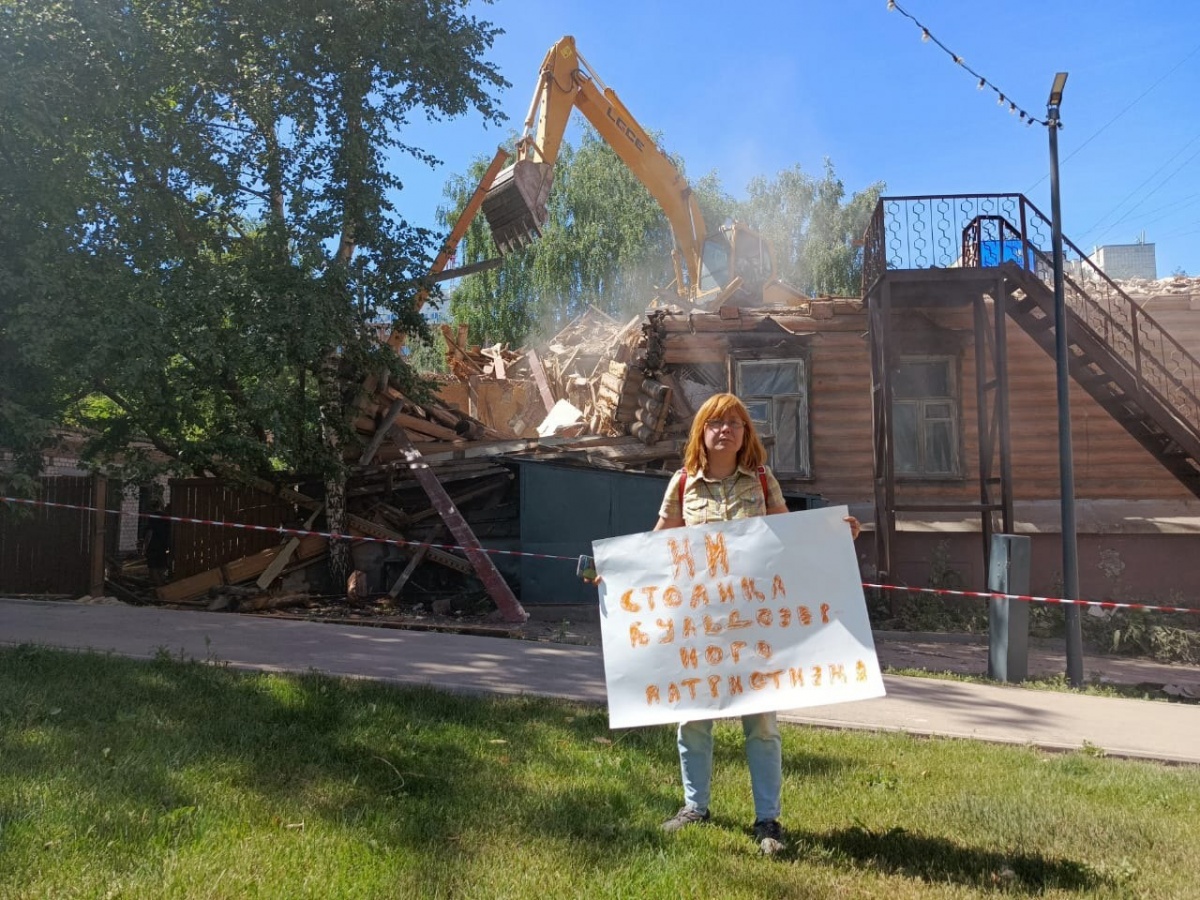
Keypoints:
pixel 44 550
pixel 198 548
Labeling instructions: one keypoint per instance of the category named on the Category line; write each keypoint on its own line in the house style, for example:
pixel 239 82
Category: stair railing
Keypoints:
pixel 1159 364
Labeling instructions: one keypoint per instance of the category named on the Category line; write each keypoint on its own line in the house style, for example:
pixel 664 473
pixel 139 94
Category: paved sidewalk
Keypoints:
pixel 922 706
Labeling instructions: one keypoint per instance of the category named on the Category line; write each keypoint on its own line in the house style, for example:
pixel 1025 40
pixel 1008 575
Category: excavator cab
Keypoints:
pixel 515 205
pixel 735 251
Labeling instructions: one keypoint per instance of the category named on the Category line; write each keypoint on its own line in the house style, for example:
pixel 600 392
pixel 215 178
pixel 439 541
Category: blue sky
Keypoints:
pixel 751 88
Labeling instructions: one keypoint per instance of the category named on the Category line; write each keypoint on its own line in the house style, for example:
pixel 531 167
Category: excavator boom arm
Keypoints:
pixel 515 205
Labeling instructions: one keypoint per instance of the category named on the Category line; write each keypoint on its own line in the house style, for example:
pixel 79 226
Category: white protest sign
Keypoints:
pixel 751 615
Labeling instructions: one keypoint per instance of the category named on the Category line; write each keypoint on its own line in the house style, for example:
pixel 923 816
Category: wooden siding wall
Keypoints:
pixel 198 548
pixel 1109 464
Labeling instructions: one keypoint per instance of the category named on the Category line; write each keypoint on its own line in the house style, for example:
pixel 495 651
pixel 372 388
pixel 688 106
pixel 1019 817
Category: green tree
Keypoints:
pixel 816 231
pixel 205 220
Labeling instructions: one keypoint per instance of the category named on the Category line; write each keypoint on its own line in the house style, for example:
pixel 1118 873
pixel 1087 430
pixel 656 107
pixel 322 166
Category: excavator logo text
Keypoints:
pixel 625 129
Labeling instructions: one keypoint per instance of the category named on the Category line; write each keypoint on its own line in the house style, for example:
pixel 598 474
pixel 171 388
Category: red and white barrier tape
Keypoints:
pixel 291 532
pixel 1029 598
pixel 335 536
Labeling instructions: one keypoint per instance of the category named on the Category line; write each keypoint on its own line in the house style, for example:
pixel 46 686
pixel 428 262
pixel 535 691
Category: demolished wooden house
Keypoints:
pixel 928 408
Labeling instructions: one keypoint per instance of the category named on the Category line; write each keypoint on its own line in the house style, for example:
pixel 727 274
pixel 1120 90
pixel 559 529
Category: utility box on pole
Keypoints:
pixel 1008 620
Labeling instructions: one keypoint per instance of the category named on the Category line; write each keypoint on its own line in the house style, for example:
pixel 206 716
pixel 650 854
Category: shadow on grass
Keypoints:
pixel 142 746
pixel 939 860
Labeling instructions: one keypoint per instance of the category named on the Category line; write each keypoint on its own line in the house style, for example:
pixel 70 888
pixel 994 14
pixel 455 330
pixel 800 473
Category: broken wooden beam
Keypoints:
pixel 485 568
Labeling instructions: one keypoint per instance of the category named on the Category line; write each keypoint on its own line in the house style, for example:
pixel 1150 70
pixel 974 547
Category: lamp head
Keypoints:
pixel 1056 89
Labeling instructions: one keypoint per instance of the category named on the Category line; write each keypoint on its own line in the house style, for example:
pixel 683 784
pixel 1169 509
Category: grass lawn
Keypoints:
pixel 183 779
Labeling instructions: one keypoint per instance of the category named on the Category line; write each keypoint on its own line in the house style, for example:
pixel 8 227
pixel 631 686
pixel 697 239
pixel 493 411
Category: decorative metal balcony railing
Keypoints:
pixel 978 231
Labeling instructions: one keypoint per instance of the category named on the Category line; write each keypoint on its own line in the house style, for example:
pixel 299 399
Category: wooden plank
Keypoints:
pixel 249 567
pixel 417 558
pixel 694 356
pixel 360 525
pixel 678 402
pixel 496 586
pixel 539 378
pixel 285 555
pixel 187 588
pixel 432 429
pixel 381 431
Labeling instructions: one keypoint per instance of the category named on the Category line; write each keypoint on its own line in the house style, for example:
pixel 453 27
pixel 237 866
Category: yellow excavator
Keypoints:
pixel 730 265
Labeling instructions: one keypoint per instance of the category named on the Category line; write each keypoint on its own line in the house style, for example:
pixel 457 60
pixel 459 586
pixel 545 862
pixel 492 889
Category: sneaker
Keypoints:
pixel 769 836
pixel 689 815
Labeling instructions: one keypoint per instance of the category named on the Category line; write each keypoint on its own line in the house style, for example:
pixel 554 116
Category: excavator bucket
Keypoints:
pixel 515 205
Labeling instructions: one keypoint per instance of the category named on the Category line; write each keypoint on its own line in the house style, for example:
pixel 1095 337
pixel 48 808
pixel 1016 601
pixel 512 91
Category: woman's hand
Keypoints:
pixel 855 527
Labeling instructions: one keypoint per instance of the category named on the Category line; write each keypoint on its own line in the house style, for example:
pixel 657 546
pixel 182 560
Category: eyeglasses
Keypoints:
pixel 721 425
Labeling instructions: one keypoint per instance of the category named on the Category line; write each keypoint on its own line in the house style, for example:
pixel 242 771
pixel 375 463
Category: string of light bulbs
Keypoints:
pixel 1001 98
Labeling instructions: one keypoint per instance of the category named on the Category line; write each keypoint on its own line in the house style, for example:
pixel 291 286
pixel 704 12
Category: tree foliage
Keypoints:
pixel 816 231
pixel 199 217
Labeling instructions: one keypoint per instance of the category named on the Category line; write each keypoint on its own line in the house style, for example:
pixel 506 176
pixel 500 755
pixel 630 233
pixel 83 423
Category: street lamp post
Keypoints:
pixel 1066 464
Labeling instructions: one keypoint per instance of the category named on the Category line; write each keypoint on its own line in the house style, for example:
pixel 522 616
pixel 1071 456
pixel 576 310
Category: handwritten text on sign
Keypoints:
pixel 728 618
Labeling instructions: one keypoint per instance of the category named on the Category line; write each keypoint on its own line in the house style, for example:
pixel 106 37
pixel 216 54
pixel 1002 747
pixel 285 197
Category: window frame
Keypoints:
pixel 801 399
pixel 953 372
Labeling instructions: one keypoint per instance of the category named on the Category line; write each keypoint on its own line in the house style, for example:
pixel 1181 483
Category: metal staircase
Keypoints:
pixel 1144 378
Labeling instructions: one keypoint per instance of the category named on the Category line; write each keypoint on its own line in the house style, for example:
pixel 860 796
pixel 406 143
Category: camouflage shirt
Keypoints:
pixel 739 496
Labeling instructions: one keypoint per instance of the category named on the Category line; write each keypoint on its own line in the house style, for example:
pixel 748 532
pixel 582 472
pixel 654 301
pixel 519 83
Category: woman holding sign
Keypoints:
pixel 724 476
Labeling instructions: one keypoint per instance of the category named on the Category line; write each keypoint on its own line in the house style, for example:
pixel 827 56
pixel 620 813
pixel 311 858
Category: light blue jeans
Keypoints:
pixel 764 756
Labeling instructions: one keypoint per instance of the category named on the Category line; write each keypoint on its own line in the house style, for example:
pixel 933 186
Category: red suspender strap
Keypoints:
pixel 682 486
pixel 762 479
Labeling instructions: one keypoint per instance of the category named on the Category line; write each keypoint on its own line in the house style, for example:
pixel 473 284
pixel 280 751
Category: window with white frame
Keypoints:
pixel 925 417
pixel 775 392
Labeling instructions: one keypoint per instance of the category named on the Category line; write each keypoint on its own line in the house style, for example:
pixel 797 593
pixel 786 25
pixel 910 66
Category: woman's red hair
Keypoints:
pixel 720 406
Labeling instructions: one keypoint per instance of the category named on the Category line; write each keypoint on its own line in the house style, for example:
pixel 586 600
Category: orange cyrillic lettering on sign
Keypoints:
pixel 716 554
pixel 735 650
pixel 627 603
pixel 750 592
pixel 673 693
pixel 714 686
pixel 682 557
pixel 735 685
pixel 736 620
pixel 712 627
pixel 637 637
pixel 760 680
pixel 804 615
pixel 649 592
pixel 690 684
pixel 689 627
pixel 816 674
pixel 764 617
pixel 713 654
pixel 797 676
pixel 860 671
pixel 687 658
pixel 725 592
pixel 763 649
pixel 837 673
pixel 672 597
pixel 652 695
pixel 668 630
pixel 825 613
pixel 699 595
pixel 777 590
